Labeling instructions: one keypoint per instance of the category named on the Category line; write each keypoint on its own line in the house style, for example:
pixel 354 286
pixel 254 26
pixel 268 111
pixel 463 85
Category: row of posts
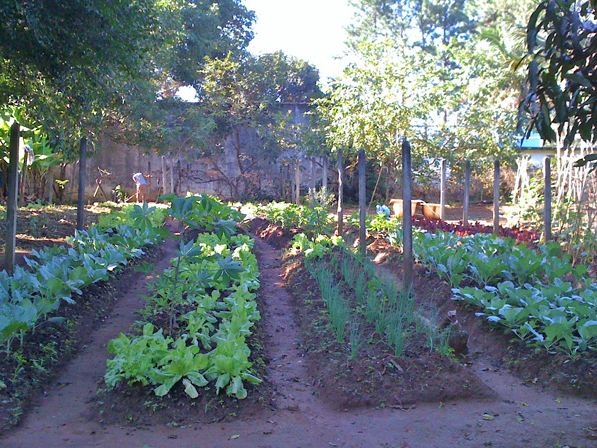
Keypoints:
pixel 407 204
pixel 12 201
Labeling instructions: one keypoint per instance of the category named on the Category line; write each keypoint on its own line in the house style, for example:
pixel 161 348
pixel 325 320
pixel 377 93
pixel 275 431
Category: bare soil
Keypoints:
pixel 498 394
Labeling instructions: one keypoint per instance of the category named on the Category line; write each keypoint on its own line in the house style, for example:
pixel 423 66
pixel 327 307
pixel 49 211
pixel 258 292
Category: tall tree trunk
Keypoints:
pixel 163 167
pixel 324 175
pixel 172 175
pixel 442 189
pixel 547 196
pixel 297 182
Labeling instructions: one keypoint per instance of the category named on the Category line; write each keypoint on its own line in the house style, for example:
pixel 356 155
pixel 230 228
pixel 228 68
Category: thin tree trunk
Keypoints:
pixel 163 163
pixel 297 182
pixel 442 190
pixel 324 176
pixel 547 197
pixel 376 185
pixel 171 175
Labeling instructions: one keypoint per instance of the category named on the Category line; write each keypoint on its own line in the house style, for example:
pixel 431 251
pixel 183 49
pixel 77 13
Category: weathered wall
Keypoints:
pixel 241 171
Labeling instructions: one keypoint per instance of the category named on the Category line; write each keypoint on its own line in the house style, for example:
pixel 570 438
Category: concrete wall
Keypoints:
pixel 241 171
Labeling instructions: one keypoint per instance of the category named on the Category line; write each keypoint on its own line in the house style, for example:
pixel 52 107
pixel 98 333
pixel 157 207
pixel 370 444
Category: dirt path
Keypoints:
pixel 521 416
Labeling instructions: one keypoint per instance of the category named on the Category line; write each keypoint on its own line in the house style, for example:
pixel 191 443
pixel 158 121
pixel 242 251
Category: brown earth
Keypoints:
pixel 42 227
pixel 313 395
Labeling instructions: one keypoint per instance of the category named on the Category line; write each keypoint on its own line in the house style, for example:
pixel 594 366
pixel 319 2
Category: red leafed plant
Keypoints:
pixel 516 233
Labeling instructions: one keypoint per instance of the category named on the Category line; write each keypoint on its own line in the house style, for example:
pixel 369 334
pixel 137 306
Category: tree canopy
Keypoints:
pixel 444 74
pixel 69 62
pixel 562 42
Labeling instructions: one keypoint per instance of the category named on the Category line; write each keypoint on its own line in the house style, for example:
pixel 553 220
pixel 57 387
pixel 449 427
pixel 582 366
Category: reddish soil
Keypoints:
pixel 313 396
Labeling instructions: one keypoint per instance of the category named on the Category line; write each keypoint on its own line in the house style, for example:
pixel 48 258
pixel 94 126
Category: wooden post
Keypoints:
pixel 496 196
pixel 297 181
pixel 312 182
pixel 82 181
pixel 467 191
pixel 171 175
pixel 547 195
pixel 21 195
pixel 12 200
pixel 50 186
pixel 442 190
pixel 362 203
pixel 324 175
pixel 407 231
pixel 340 223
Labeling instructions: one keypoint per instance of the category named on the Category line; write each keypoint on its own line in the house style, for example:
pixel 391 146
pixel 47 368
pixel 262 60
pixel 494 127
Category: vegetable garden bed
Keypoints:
pixel 376 374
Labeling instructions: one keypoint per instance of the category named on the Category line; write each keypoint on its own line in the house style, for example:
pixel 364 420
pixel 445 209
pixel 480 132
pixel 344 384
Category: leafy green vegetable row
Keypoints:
pixel 486 259
pixel 312 220
pixel 57 274
pixel 537 293
pixel 198 316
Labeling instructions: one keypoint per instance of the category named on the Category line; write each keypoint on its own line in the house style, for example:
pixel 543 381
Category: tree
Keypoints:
pixel 562 76
pixel 256 94
pixel 208 29
pixel 69 64
pixel 199 33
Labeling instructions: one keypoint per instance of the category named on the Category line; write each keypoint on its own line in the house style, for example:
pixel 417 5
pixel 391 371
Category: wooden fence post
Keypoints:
pixel 171 174
pixel 442 189
pixel 163 167
pixel 297 181
pixel 340 211
pixel 407 231
pixel 12 200
pixel 82 181
pixel 362 204
pixel 467 190
pixel 496 196
pixel 324 175
pixel 547 197
pixel 21 195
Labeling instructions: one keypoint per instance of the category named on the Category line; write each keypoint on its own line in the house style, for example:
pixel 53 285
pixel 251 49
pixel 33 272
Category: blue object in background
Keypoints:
pixel 383 210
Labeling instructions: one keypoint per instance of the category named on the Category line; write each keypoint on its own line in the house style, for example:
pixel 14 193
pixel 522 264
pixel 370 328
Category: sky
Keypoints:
pixel 312 30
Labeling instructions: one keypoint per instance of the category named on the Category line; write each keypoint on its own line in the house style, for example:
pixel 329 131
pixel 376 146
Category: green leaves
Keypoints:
pixel 208 293
pixel 311 220
pixel 58 274
pixel 518 287
pixel 562 44
pixel 551 316
pixel 182 362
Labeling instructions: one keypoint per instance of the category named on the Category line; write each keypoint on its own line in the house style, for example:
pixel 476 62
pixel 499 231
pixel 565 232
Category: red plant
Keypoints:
pixel 516 233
